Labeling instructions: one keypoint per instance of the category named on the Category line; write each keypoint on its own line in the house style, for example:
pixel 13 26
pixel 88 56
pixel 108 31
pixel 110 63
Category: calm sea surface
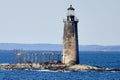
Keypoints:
pixel 102 59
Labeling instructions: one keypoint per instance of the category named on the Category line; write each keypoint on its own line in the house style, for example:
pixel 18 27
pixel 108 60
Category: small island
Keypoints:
pixel 53 66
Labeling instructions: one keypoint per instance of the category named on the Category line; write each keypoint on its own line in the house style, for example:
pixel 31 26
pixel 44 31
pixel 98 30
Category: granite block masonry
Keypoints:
pixel 70 39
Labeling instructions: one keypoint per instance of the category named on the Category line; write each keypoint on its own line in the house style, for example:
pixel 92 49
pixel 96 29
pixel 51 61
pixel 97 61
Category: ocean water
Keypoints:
pixel 101 59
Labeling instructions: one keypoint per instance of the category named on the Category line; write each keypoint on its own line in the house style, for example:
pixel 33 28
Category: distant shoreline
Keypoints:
pixel 58 51
pixel 56 47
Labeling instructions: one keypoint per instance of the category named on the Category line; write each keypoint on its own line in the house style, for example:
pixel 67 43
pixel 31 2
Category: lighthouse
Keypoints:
pixel 70 53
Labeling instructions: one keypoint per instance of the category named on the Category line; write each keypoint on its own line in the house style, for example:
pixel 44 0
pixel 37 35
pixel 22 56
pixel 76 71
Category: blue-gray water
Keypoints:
pixel 102 59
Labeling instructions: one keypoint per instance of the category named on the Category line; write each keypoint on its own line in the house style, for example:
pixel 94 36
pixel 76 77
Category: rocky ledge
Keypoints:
pixel 53 67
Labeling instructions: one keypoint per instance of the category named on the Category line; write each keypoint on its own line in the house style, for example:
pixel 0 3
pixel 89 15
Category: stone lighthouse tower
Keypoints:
pixel 70 55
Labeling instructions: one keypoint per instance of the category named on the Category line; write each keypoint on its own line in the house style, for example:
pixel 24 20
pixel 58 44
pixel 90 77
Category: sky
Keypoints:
pixel 41 21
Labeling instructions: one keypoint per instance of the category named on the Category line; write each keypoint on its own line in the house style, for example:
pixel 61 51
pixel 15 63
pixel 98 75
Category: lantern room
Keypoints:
pixel 70 11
